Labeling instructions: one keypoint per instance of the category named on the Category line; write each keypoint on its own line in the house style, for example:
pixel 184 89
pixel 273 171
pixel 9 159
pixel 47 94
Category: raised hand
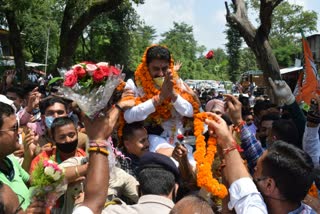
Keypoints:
pixel 282 91
pixel 313 115
pixel 29 144
pixel 167 86
pixel 33 100
pixel 180 152
pixel 127 99
pixel 221 130
pixel 10 75
pixel 233 108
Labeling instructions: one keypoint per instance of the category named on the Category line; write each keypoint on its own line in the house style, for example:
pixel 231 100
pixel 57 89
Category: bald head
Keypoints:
pixel 191 205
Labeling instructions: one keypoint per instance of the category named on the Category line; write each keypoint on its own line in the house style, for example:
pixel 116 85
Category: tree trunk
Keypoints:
pixel 69 35
pixel 257 39
pixel 16 45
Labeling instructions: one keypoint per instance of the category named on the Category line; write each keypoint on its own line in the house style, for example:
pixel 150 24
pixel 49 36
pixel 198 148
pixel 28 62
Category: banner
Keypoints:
pixel 308 81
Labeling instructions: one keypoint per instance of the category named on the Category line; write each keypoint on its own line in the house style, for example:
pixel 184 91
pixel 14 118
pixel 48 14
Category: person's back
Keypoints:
pixel 158 177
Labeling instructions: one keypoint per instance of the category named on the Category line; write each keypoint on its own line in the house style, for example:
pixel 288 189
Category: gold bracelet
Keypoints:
pixel 77 171
pixel 98 149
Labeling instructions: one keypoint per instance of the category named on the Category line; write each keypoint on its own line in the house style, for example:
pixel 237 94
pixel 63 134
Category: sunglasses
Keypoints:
pixel 14 129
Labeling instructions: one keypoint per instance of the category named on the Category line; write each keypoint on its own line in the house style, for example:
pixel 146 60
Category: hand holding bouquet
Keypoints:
pixel 47 183
pixel 90 85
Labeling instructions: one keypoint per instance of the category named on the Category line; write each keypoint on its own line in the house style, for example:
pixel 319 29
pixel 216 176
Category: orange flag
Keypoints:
pixel 308 81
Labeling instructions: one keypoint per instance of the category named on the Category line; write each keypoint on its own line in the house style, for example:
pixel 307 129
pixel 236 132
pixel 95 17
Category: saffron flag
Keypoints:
pixel 308 81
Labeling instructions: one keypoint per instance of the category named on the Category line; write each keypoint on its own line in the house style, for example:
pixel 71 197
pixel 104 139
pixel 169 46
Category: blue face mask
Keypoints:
pixel 49 120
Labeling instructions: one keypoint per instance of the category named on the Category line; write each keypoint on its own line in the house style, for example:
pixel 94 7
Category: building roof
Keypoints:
pixel 290 69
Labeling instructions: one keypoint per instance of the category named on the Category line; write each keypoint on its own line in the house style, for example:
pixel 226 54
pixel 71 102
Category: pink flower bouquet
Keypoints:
pixel 47 182
pixel 90 85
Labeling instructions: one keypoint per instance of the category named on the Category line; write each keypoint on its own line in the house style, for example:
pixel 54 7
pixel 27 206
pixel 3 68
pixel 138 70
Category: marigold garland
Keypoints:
pixel 121 85
pixel 313 191
pixel 204 156
pixel 144 79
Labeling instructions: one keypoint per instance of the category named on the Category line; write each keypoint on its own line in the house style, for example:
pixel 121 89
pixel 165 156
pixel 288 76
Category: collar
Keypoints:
pixel 303 209
pixel 156 199
pixel 10 172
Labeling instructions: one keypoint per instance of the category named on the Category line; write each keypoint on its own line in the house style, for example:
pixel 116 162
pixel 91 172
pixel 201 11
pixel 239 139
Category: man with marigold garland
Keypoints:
pixel 162 99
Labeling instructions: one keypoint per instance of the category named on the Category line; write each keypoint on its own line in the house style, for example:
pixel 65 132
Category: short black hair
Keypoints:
pixel 260 106
pixel 156 181
pixel 129 129
pixel 20 92
pixel 158 52
pixel 60 121
pixel 270 116
pixel 291 168
pixel 287 131
pixel 50 102
pixel 5 110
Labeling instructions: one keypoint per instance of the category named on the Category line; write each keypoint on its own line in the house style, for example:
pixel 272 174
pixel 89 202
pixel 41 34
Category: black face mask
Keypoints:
pixel 263 141
pixel 67 147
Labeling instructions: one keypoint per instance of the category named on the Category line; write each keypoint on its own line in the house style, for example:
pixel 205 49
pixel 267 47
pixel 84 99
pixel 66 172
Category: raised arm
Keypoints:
pixel 244 196
pixel 99 130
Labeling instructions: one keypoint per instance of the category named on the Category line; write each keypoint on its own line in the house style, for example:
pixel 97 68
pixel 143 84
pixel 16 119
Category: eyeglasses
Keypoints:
pixel 20 205
pixel 14 129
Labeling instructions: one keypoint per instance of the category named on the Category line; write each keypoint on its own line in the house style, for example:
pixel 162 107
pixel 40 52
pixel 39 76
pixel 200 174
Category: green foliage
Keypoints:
pixel 39 178
pixel 287 22
pixel 247 60
pixel 233 49
pixel 141 38
pixel 181 41
pixel 184 48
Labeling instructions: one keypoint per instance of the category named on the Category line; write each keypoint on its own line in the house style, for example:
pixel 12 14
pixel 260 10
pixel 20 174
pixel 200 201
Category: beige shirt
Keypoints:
pixel 147 204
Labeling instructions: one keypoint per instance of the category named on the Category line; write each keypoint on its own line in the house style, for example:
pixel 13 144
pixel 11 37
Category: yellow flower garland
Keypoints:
pixel 144 79
pixel 204 156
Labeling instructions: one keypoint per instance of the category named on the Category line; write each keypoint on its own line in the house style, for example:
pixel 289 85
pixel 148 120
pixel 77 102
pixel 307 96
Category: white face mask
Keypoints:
pixel 158 81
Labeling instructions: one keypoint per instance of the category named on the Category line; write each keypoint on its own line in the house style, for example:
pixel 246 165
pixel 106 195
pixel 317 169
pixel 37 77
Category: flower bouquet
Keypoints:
pixel 90 85
pixel 47 182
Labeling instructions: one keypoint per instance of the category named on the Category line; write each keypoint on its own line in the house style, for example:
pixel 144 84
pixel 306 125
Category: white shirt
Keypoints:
pixel 245 197
pixel 182 108
pixel 311 144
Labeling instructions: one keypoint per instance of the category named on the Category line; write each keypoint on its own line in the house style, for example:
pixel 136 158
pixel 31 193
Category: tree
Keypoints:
pixel 7 8
pixel 247 60
pixel 233 49
pixel 180 41
pixel 257 38
pixel 75 21
pixel 287 22
pixel 141 38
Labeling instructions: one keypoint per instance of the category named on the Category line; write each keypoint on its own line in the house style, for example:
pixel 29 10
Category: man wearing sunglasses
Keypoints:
pixel 11 173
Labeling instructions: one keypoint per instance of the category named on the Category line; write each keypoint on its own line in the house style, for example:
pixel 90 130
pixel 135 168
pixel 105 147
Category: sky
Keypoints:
pixel 207 17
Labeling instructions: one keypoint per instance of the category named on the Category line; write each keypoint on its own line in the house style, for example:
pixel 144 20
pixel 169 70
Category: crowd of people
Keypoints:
pixel 138 156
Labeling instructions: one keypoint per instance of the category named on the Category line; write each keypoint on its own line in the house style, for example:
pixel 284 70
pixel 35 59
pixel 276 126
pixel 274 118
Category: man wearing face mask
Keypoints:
pixel 163 98
pixel 51 108
pixel 65 137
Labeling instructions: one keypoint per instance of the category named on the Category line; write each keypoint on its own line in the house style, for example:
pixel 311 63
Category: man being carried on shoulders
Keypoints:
pixel 162 98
